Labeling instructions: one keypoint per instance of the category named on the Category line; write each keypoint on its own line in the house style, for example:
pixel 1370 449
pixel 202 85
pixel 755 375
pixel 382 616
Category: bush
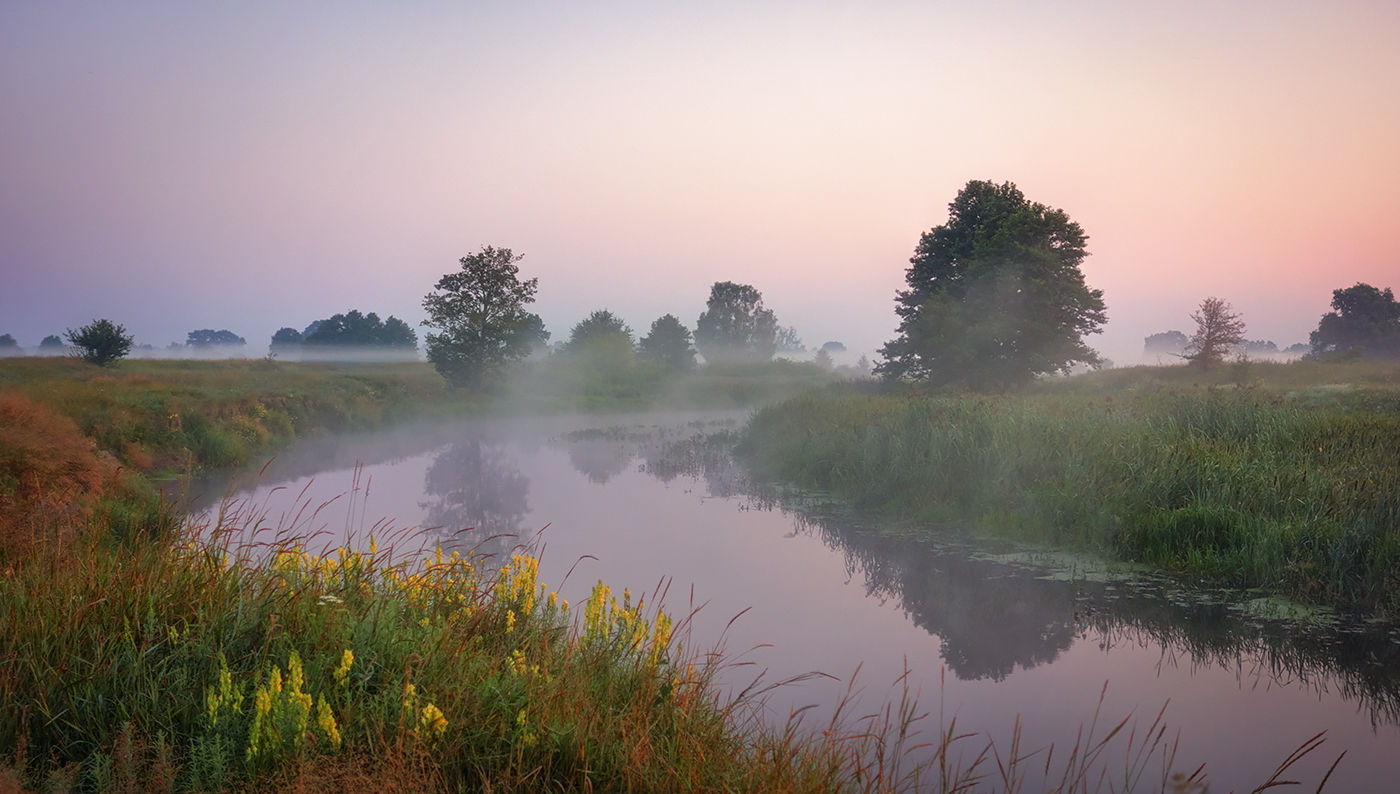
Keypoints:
pixel 101 342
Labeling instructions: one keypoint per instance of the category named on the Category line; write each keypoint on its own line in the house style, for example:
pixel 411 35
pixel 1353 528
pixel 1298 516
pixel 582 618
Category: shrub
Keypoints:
pixel 101 342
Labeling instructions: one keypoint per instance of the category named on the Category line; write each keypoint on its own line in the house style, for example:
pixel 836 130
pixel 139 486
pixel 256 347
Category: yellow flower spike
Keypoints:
pixel 295 676
pixel 326 721
pixel 342 673
pixel 510 621
pixel 431 723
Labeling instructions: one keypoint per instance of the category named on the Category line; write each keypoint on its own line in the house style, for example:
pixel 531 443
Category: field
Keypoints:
pixel 1282 477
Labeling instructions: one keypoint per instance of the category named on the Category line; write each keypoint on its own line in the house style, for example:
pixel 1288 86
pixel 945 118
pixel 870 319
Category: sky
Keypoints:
pixel 254 165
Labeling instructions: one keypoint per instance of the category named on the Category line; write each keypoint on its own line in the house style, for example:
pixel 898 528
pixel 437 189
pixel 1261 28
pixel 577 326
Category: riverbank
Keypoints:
pixel 1285 479
pixel 139 653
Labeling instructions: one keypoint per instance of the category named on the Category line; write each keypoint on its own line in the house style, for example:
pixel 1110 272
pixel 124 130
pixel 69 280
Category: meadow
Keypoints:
pixel 1282 477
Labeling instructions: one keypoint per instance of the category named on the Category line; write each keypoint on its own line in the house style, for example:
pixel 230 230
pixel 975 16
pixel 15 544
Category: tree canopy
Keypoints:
pixel 286 337
pixel 735 325
pixel 1364 318
pixel 51 342
pixel 1170 343
pixel 668 341
pixel 479 313
pixel 995 295
pixel 354 329
pixel 208 337
pixel 601 326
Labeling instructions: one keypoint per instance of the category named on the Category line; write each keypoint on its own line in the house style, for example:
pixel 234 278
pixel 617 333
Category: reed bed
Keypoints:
pixel 1296 492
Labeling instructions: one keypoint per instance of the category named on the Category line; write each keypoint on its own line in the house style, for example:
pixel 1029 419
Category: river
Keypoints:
pixel 790 586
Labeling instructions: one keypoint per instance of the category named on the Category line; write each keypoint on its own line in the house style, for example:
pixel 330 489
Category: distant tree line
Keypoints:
pixel 351 329
pixel 479 324
pixel 1364 323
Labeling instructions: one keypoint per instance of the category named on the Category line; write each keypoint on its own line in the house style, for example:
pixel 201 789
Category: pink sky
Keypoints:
pixel 176 167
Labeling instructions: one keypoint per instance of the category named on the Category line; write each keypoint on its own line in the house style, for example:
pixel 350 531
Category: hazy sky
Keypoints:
pixel 179 165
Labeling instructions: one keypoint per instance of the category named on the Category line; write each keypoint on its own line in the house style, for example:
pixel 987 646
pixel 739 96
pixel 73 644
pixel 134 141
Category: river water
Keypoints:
pixel 788 586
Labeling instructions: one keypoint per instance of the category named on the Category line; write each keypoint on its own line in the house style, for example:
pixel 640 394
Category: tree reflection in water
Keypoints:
pixel 481 498
pixel 995 613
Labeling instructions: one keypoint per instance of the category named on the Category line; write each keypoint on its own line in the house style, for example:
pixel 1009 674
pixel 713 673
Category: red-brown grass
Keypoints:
pixel 51 475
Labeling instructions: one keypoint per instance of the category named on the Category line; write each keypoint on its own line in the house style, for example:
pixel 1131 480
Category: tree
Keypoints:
pixel 834 347
pixel 208 337
pixel 1167 343
pixel 735 326
pixel 354 329
pixel 823 359
pixel 100 342
pixel 1218 329
pixel 668 341
pixel 51 342
pixel 995 295
pixel 286 338
pixel 479 313
pixel 787 341
pixel 598 326
pixel 9 347
pixel 1364 317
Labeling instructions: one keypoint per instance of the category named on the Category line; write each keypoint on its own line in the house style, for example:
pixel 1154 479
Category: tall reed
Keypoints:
pixel 1295 492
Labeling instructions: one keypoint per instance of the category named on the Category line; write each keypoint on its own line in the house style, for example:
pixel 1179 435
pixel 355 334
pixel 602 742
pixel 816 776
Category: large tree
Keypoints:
pixel 995 295
pixel 479 313
pixel 1364 318
pixel 735 326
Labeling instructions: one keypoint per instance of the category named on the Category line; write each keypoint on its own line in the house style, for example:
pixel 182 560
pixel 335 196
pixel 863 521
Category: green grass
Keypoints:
pixel 170 416
pixel 1295 489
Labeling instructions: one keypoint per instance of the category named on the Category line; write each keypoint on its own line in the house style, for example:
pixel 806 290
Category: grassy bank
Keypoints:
pixel 136 656
pixel 175 667
pixel 1287 481
pixel 165 416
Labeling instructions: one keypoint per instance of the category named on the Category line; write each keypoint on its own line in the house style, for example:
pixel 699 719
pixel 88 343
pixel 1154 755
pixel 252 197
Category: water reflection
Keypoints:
pixel 480 497
pixel 996 612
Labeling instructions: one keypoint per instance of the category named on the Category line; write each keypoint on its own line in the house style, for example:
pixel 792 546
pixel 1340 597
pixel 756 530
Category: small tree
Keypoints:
pixel 599 325
pixel 9 347
pixel 1218 329
pixel 100 342
pixel 669 342
pixel 51 343
pixel 1167 343
pixel 479 313
pixel 735 326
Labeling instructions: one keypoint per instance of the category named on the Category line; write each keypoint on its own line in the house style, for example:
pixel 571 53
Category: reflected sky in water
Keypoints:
pixel 650 503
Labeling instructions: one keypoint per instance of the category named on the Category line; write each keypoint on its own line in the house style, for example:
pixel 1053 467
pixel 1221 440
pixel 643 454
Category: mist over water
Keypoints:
pixel 988 632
